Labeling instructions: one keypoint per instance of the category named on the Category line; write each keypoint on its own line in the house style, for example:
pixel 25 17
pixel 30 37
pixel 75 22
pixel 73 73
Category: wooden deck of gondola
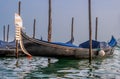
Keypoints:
pixel 10 52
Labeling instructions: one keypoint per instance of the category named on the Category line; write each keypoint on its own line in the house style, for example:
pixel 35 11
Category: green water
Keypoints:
pixel 39 68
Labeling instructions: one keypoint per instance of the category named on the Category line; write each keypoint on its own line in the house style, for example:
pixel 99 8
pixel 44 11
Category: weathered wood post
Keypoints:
pixel 34 25
pixel 19 7
pixel 96 29
pixel 49 22
pixel 19 11
pixel 4 33
pixel 72 29
pixel 8 32
pixel 90 31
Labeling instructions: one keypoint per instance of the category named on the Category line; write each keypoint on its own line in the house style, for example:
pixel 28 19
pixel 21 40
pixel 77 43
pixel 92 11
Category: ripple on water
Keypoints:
pixel 39 68
pixel 10 68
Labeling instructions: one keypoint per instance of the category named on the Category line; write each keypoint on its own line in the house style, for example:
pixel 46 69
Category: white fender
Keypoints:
pixel 101 53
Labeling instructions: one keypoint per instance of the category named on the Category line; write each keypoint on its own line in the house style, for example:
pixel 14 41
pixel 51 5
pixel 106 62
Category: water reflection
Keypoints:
pixel 64 68
pixel 39 68
pixel 11 68
pixel 106 68
pixel 109 67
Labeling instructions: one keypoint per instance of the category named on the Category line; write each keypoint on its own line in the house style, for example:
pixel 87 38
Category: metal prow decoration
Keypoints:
pixel 19 26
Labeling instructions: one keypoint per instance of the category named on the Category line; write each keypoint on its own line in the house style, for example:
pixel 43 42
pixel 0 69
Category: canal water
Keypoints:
pixel 62 68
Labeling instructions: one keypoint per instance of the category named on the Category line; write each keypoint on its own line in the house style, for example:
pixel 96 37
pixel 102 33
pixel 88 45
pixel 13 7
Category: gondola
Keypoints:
pixel 38 47
pixel 7 45
pixel 7 49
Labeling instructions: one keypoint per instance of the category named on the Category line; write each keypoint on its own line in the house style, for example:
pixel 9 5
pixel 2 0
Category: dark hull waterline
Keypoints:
pixel 42 48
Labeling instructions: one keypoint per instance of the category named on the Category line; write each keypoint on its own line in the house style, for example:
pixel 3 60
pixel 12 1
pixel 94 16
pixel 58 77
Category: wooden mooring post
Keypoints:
pixel 49 22
pixel 19 7
pixel 90 31
pixel 96 29
pixel 72 30
pixel 34 25
pixel 17 49
pixel 8 32
pixel 4 33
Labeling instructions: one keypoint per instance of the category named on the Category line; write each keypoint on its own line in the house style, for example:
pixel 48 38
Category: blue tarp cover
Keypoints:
pixel 112 42
pixel 68 44
pixel 4 44
pixel 65 44
pixel 95 44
